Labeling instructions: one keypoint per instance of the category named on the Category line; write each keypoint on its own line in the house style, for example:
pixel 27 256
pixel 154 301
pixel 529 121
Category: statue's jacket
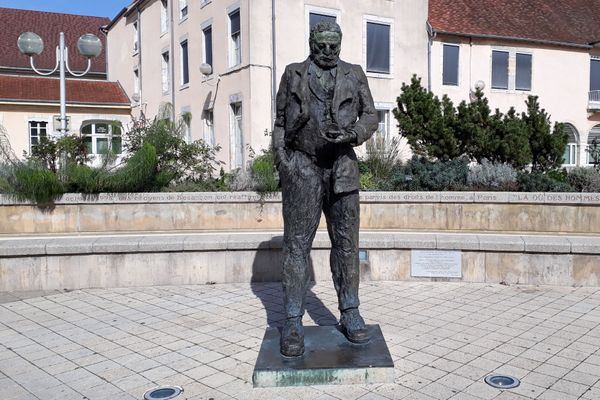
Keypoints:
pixel 351 108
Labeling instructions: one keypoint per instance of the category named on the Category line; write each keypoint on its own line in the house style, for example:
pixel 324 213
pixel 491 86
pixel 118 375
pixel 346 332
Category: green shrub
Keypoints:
pixel 419 174
pixel 540 182
pixel 379 162
pixel 84 179
pixel 177 160
pixel 139 174
pixel 584 179
pixel 492 176
pixel 32 182
pixel 264 173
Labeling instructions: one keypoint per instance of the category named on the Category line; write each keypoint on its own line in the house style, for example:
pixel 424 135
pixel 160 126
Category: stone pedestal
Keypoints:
pixel 329 358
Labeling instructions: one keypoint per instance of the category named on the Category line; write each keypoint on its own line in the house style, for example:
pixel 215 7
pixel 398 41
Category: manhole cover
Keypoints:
pixel 502 381
pixel 163 393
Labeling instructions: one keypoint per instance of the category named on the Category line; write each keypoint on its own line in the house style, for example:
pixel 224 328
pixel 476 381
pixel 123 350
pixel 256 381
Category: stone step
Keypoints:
pixel 257 240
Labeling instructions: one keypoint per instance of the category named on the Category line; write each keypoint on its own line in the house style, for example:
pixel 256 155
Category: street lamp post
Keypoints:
pixel 89 46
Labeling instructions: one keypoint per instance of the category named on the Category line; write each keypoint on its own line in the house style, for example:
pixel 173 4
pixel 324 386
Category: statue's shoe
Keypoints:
pixel 292 338
pixel 353 326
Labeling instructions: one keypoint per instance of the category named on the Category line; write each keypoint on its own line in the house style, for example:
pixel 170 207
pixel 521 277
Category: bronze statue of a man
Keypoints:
pixel 324 108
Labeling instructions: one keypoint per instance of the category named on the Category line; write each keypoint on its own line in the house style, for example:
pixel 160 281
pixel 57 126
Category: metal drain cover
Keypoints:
pixel 502 381
pixel 163 393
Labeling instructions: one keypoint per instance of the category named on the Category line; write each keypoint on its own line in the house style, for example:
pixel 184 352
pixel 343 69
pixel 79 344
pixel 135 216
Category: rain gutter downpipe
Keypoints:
pixel 431 34
pixel 274 62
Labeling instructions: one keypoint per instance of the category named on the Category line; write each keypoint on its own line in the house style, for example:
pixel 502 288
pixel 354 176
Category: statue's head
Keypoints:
pixel 325 44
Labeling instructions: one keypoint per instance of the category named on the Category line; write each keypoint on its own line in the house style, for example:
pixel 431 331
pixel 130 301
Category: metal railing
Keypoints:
pixel 595 96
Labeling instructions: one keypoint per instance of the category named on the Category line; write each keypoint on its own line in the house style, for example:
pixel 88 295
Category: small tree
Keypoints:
pixel 547 147
pixel 427 123
pixel 177 160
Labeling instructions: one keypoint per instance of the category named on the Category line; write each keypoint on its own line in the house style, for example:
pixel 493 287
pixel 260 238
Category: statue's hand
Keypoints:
pixel 344 136
pixel 280 157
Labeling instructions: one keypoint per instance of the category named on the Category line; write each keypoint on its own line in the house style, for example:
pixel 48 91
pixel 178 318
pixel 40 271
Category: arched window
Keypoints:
pixel 594 136
pixel 102 137
pixel 570 157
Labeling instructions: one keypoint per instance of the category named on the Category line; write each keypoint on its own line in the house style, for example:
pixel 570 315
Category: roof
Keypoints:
pixel 569 22
pixel 49 25
pixel 17 88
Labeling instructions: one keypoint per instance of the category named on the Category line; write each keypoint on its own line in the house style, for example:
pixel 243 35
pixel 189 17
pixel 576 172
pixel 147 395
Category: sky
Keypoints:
pixel 101 8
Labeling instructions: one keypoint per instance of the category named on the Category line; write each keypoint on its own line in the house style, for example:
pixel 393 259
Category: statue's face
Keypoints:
pixel 325 49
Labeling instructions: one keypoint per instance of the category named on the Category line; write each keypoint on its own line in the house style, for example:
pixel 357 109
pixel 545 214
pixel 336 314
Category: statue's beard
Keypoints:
pixel 325 62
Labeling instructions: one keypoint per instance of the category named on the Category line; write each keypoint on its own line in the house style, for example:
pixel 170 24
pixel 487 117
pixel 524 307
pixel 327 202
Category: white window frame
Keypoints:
pixel 382 21
pixel 459 64
pixel 592 59
pixel 595 128
pixel 136 37
pixel 387 109
pixel 209 126
pixel 184 10
pixel 136 80
pixel 164 16
pixel 233 122
pixel 235 57
pixel 205 25
pixel 95 136
pixel 165 72
pixel 573 146
pixel 187 127
pixel 333 12
pixel 183 84
pixel 512 68
pixel 38 121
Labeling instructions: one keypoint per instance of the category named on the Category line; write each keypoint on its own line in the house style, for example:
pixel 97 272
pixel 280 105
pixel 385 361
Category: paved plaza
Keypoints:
pixel 444 338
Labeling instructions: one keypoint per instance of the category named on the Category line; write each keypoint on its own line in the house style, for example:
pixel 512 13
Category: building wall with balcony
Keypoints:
pixel 560 76
pixel 238 96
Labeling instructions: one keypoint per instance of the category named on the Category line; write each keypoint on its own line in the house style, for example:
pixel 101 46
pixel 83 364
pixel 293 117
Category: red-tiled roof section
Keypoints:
pixel 26 88
pixel 565 21
pixel 49 25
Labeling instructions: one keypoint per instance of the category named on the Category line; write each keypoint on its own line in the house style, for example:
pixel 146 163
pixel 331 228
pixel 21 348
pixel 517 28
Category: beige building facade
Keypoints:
pixel 555 56
pixel 560 76
pixel 156 48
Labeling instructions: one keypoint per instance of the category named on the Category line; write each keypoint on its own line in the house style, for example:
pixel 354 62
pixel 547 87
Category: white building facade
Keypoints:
pixel 156 47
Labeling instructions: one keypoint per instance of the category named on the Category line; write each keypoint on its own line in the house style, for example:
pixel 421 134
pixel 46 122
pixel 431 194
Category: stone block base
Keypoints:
pixel 329 358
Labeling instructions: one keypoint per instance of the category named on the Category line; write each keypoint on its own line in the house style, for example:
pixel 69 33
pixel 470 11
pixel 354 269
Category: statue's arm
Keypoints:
pixel 367 122
pixel 280 105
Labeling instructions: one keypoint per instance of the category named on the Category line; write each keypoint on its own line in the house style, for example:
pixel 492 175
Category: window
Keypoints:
pixel 136 81
pixel 523 72
pixel 378 48
pixel 237 136
pixel 136 41
pixel 164 17
pixel 185 72
pixel 165 72
pixel 37 131
pixel 384 122
pixel 594 136
pixel 499 70
pixel 186 116
pixel 511 70
pixel 450 67
pixel 183 9
pixel 315 18
pixel 235 50
pixel 570 156
pixel 595 74
pixel 209 127
pixel 102 137
pixel 208 53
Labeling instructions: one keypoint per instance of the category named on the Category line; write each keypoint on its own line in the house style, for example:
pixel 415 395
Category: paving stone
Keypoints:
pixel 444 338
